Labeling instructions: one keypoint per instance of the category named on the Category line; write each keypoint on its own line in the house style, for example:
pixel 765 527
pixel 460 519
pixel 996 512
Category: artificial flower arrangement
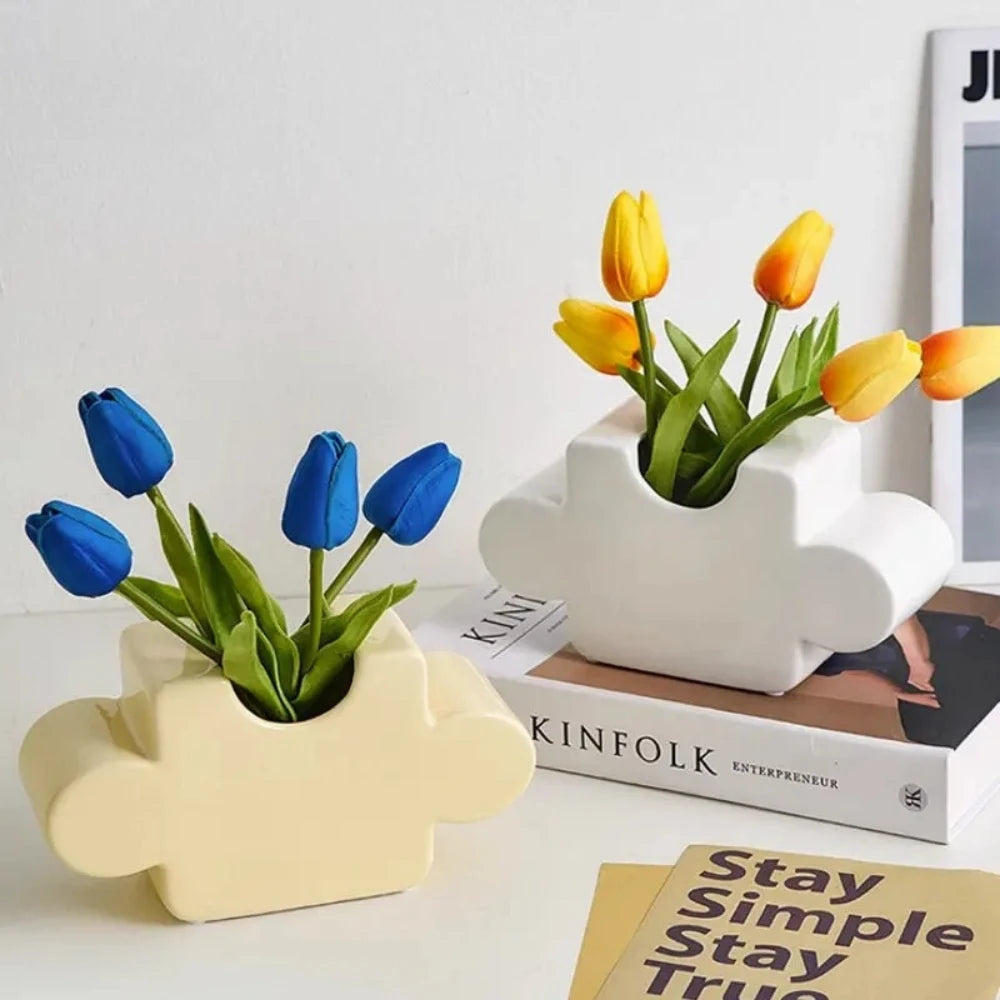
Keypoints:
pixel 697 435
pixel 342 730
pixel 777 555
pixel 219 606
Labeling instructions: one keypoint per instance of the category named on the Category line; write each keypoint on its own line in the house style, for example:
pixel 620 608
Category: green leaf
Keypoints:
pixel 804 357
pixel 334 625
pixel 765 426
pixel 692 465
pixel 166 595
pixel 335 657
pixel 784 376
pixel 275 611
pixel 222 603
pixel 675 425
pixel 637 382
pixel 270 617
pixel 724 407
pixel 242 664
pixel 180 558
pixel 664 378
pixel 703 438
pixel 826 343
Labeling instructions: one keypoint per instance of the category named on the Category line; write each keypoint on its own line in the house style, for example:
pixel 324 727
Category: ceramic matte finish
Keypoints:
pixel 234 815
pixel 754 592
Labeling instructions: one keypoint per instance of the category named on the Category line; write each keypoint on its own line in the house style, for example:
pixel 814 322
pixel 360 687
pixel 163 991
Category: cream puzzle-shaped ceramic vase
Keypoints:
pixel 234 815
pixel 754 592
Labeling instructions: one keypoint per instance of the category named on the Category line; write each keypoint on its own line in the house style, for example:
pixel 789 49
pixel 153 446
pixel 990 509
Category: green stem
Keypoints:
pixel 157 499
pixel 154 610
pixel 667 381
pixel 648 366
pixel 317 605
pixel 286 703
pixel 353 564
pixel 759 348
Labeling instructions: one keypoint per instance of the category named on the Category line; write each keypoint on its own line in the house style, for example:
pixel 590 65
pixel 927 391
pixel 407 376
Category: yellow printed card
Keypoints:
pixel 740 924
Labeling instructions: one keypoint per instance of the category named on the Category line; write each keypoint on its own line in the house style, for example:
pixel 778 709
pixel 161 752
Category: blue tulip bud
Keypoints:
pixel 87 555
pixel 130 450
pixel 321 508
pixel 407 501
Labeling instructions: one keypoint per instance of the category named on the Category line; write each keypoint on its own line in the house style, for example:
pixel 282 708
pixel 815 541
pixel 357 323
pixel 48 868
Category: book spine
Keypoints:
pixel 861 781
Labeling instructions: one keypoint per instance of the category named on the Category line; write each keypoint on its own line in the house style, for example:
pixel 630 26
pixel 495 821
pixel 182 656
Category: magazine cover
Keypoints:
pixel 965 248
pixel 899 737
pixel 747 924
pixel 932 682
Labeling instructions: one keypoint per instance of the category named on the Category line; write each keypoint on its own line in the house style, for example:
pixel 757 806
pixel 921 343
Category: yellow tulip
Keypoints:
pixel 959 362
pixel 634 261
pixel 603 336
pixel 865 378
pixel 786 273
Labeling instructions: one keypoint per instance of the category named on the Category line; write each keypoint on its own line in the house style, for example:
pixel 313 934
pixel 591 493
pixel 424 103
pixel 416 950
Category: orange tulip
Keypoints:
pixel 634 261
pixel 786 273
pixel 865 378
pixel 603 336
pixel 959 362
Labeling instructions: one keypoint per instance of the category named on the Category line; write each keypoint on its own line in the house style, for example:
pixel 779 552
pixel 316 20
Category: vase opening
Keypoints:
pixel 683 486
pixel 331 696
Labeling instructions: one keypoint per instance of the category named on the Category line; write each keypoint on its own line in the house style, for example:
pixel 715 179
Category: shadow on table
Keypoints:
pixel 64 894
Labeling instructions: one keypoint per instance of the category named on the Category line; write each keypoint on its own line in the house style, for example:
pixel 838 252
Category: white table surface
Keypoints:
pixel 499 918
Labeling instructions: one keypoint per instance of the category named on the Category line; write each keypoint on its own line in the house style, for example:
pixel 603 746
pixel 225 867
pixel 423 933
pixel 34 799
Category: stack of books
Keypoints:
pixel 899 738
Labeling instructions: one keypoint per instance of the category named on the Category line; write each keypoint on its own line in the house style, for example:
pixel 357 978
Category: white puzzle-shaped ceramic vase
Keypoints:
pixel 755 592
pixel 234 815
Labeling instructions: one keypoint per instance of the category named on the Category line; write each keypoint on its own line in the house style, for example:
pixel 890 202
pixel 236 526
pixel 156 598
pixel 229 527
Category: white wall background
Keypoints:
pixel 269 218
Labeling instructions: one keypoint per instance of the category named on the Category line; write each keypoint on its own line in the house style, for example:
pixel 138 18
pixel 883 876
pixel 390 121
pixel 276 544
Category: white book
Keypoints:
pixel 901 738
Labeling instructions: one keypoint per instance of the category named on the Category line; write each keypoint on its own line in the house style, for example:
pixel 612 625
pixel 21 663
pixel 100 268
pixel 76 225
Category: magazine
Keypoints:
pixel 732 923
pixel 900 737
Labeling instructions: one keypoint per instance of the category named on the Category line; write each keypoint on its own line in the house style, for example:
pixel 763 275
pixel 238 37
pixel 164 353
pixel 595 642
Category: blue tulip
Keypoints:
pixel 407 501
pixel 87 555
pixel 321 508
pixel 130 450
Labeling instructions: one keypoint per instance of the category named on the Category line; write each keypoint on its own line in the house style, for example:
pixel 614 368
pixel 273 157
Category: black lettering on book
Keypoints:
pixel 530 600
pixel 652 749
pixel 489 638
pixel 979 75
pixel 514 612
pixel 701 764
pixel 517 613
pixel 596 742
pixel 538 729
pixel 506 625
